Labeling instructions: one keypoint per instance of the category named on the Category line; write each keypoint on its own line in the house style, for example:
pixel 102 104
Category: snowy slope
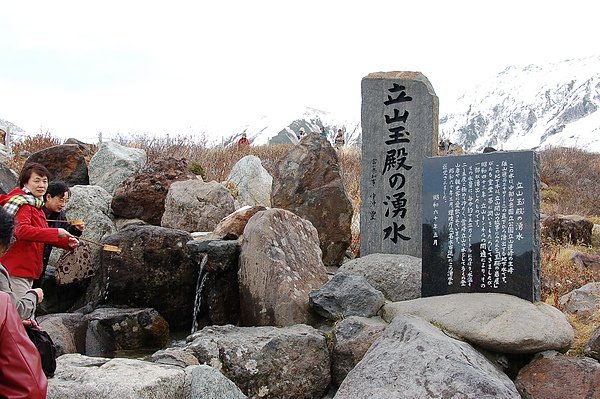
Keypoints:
pixel 284 127
pixel 531 107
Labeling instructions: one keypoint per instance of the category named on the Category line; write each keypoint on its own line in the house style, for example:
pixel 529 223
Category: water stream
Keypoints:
pixel 199 286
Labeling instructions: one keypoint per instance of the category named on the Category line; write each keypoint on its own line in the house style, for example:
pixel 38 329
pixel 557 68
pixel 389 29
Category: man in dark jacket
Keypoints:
pixel 56 198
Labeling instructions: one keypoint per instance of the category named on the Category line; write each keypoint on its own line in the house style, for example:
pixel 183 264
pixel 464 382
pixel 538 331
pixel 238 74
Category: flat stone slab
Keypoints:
pixel 497 322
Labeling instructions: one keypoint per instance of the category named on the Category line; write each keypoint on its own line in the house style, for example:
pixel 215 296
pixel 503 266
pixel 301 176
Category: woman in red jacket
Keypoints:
pixel 24 258
pixel 21 374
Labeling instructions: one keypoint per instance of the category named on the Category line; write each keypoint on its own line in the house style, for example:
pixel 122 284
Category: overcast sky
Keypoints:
pixel 76 68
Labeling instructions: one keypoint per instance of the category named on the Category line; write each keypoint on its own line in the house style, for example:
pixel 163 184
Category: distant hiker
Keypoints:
pixel 302 133
pixel 323 132
pixel 339 139
pixel 243 141
pixel 441 146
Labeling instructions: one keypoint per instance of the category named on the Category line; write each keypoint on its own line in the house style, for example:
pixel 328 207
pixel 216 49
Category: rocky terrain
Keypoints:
pixel 255 271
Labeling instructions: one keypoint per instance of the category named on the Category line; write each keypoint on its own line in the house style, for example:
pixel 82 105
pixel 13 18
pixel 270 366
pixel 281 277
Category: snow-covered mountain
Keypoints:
pixel 283 128
pixel 5 125
pixel 535 106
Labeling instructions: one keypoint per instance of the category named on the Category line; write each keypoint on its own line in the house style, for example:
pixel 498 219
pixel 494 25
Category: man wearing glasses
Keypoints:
pixel 56 198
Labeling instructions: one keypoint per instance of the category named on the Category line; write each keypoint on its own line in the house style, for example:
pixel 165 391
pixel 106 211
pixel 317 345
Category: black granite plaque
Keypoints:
pixel 481 224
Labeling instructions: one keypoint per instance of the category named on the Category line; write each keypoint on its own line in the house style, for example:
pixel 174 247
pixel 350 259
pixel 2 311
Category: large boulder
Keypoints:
pixel 346 295
pixel 307 182
pixel 554 375
pixel 592 348
pixel 588 263
pixel 65 162
pixel 267 362
pixel 101 378
pixel 280 264
pixel 112 329
pixel 397 276
pixel 8 179
pixel 87 149
pixel 113 163
pixel 232 227
pixel 496 322
pixel 67 330
pixel 571 229
pixel 583 302
pixel 194 205
pixel 413 359
pixel 106 330
pixel 92 205
pixel 142 195
pixel 351 338
pixel 152 270
pixel 252 182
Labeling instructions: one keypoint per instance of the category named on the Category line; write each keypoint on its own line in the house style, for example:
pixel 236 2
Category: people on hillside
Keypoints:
pixel 339 139
pixel 243 141
pixel 323 132
pixel 55 200
pixel 302 133
pixel 26 304
pixel 21 373
pixel 24 259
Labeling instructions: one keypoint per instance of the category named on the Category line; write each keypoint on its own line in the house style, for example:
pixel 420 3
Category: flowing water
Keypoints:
pixel 199 286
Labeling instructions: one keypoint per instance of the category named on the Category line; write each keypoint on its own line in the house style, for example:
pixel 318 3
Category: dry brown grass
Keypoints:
pixel 22 149
pixel 573 177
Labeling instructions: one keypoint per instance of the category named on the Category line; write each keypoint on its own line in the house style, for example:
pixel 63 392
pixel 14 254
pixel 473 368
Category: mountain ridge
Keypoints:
pixel 531 107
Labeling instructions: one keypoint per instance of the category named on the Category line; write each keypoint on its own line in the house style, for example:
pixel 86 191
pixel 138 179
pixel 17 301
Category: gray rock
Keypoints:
pixel 8 177
pixel 209 383
pixel 346 295
pixel 193 205
pixel 307 182
pixel 280 264
pixel 92 205
pixel 267 362
pixel 79 376
pixel 67 330
pixel 592 348
pixel 351 338
pixel 252 181
pixel 180 357
pixel 497 322
pixel 413 359
pixel 113 163
pixel 112 329
pixel 397 276
pixel 582 302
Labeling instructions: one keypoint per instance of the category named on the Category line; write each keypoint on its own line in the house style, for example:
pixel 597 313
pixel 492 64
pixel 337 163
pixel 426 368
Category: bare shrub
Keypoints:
pixel 573 177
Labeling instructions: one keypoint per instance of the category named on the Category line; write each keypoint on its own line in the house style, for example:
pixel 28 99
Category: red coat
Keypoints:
pixel 25 256
pixel 21 374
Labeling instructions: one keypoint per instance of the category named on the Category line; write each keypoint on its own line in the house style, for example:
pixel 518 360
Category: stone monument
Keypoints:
pixel 481 221
pixel 399 129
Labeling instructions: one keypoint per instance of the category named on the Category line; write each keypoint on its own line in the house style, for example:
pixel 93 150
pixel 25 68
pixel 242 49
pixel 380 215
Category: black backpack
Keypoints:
pixel 42 341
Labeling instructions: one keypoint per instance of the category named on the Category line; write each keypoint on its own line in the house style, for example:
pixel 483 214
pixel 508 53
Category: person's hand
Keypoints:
pixel 27 323
pixel 40 294
pixel 73 242
pixel 62 233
